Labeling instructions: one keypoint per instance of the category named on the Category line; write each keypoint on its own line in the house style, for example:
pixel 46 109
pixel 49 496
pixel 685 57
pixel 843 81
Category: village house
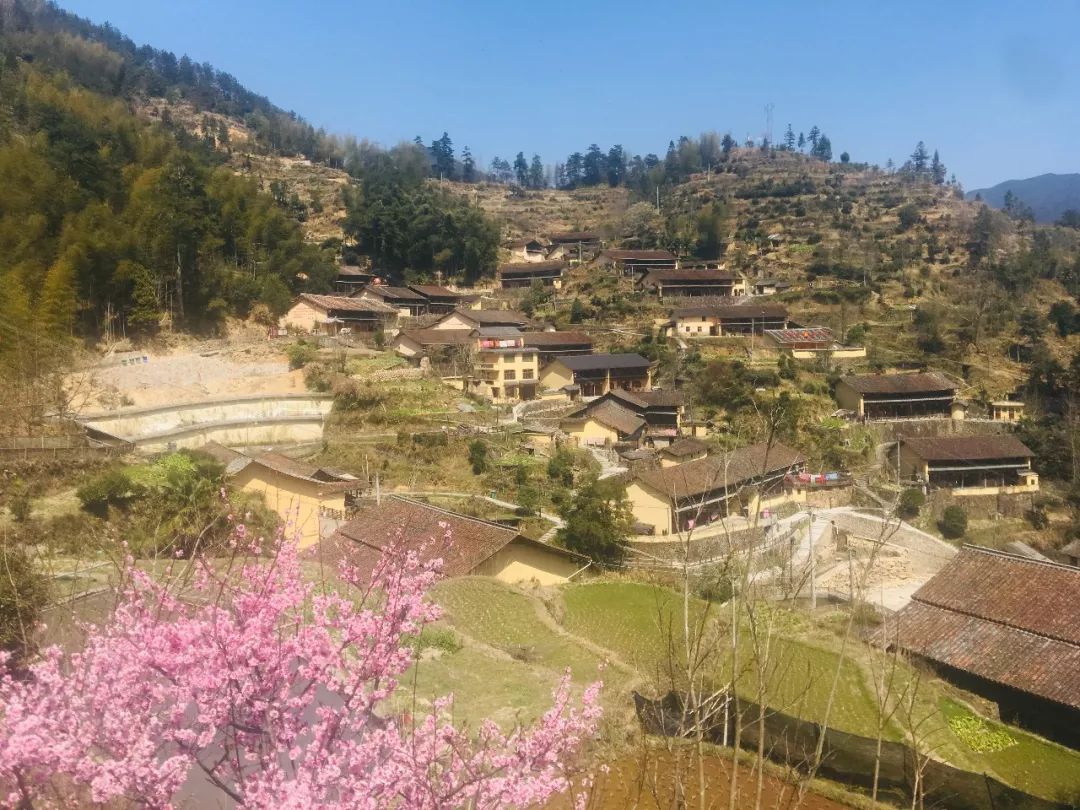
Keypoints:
pixel 516 276
pixel 768 286
pixel 810 343
pixel 467 546
pixel 404 300
pixel 440 300
pixel 310 501
pixel 969 465
pixel 1005 627
pixel 596 374
pixel 414 344
pixel 899 396
pixel 729 319
pixel 329 314
pixel 476 318
pixel 692 283
pixel 590 240
pixel 680 497
pixel 637 263
pixel 661 410
pixel 505 369
pixel 1005 410
pixel 551 345
pixel 603 422
pixel 351 279
pixel 644 417
pixel 529 249
pixel 683 450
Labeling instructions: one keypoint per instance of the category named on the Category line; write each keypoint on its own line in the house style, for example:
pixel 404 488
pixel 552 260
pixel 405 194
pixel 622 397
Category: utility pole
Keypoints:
pixel 658 199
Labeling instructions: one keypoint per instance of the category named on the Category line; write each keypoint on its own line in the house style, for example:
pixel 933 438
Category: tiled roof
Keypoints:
pixel 556 339
pixel 532 269
pixel 344 303
pixel 575 236
pixel 721 471
pixel 968 448
pixel 639 255
pixel 434 291
pixel 386 291
pixel 645 399
pixel 439 337
pixel 808 334
pixel 684 448
pixel 919 382
pixel 734 311
pixel 684 276
pixel 597 362
pixel 1002 617
pixel 410 525
pixel 492 317
pixel 292 468
pixel 615 416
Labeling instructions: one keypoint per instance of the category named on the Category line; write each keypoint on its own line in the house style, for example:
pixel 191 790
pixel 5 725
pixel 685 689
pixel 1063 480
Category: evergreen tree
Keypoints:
pixel 442 151
pixel 593 166
pixel 616 165
pixel 521 170
pixel 919 158
pixel 727 144
pixel 822 148
pixel 597 521
pixel 815 133
pixel 468 166
pixel 536 173
pixel 789 139
pixel 937 169
pixel 802 142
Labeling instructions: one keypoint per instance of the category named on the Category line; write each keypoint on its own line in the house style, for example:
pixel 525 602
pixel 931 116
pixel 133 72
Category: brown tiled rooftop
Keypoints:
pixel 1005 618
pixel 344 303
pixel 968 448
pixel 916 383
pixel 615 416
pixel 722 471
pixel 556 339
pixel 440 337
pixel 734 311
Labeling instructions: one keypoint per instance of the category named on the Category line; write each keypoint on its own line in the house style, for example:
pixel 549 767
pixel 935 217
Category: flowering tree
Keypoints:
pixel 270 691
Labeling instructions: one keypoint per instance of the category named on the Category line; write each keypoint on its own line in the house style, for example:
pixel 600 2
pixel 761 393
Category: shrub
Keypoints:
pixel 478 456
pixel 20 508
pixel 911 501
pixel 953 522
pixel 111 488
pixel 24 593
pixel 300 354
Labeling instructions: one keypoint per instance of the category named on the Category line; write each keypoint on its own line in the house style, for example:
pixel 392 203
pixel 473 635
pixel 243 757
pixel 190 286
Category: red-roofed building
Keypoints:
pixel 1004 626
pixel 466 545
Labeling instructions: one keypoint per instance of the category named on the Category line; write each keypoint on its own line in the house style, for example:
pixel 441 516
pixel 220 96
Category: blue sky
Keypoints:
pixel 994 85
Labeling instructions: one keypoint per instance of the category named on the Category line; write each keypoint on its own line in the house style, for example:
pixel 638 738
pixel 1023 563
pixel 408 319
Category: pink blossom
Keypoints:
pixel 274 690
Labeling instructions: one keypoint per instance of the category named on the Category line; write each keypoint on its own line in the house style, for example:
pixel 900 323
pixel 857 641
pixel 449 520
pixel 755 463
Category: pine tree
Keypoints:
pixel 919 158
pixel 521 170
pixel 536 173
pixel 802 142
pixel 937 169
pixel 789 139
pixel 468 166
pixel 815 133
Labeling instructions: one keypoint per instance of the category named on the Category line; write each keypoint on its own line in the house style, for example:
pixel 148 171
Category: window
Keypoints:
pixel 527 374
pixel 509 374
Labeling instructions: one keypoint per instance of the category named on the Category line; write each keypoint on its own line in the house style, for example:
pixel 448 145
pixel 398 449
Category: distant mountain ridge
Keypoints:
pixel 1048 195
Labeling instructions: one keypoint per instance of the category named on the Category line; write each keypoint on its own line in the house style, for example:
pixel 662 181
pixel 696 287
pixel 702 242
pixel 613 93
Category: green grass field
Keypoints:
pixel 510 674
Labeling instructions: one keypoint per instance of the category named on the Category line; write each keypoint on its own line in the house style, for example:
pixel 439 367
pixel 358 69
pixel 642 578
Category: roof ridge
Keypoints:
pixel 459 515
pixel 996 552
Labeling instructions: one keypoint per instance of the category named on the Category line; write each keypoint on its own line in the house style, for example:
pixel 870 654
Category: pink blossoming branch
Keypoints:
pixel 270 692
